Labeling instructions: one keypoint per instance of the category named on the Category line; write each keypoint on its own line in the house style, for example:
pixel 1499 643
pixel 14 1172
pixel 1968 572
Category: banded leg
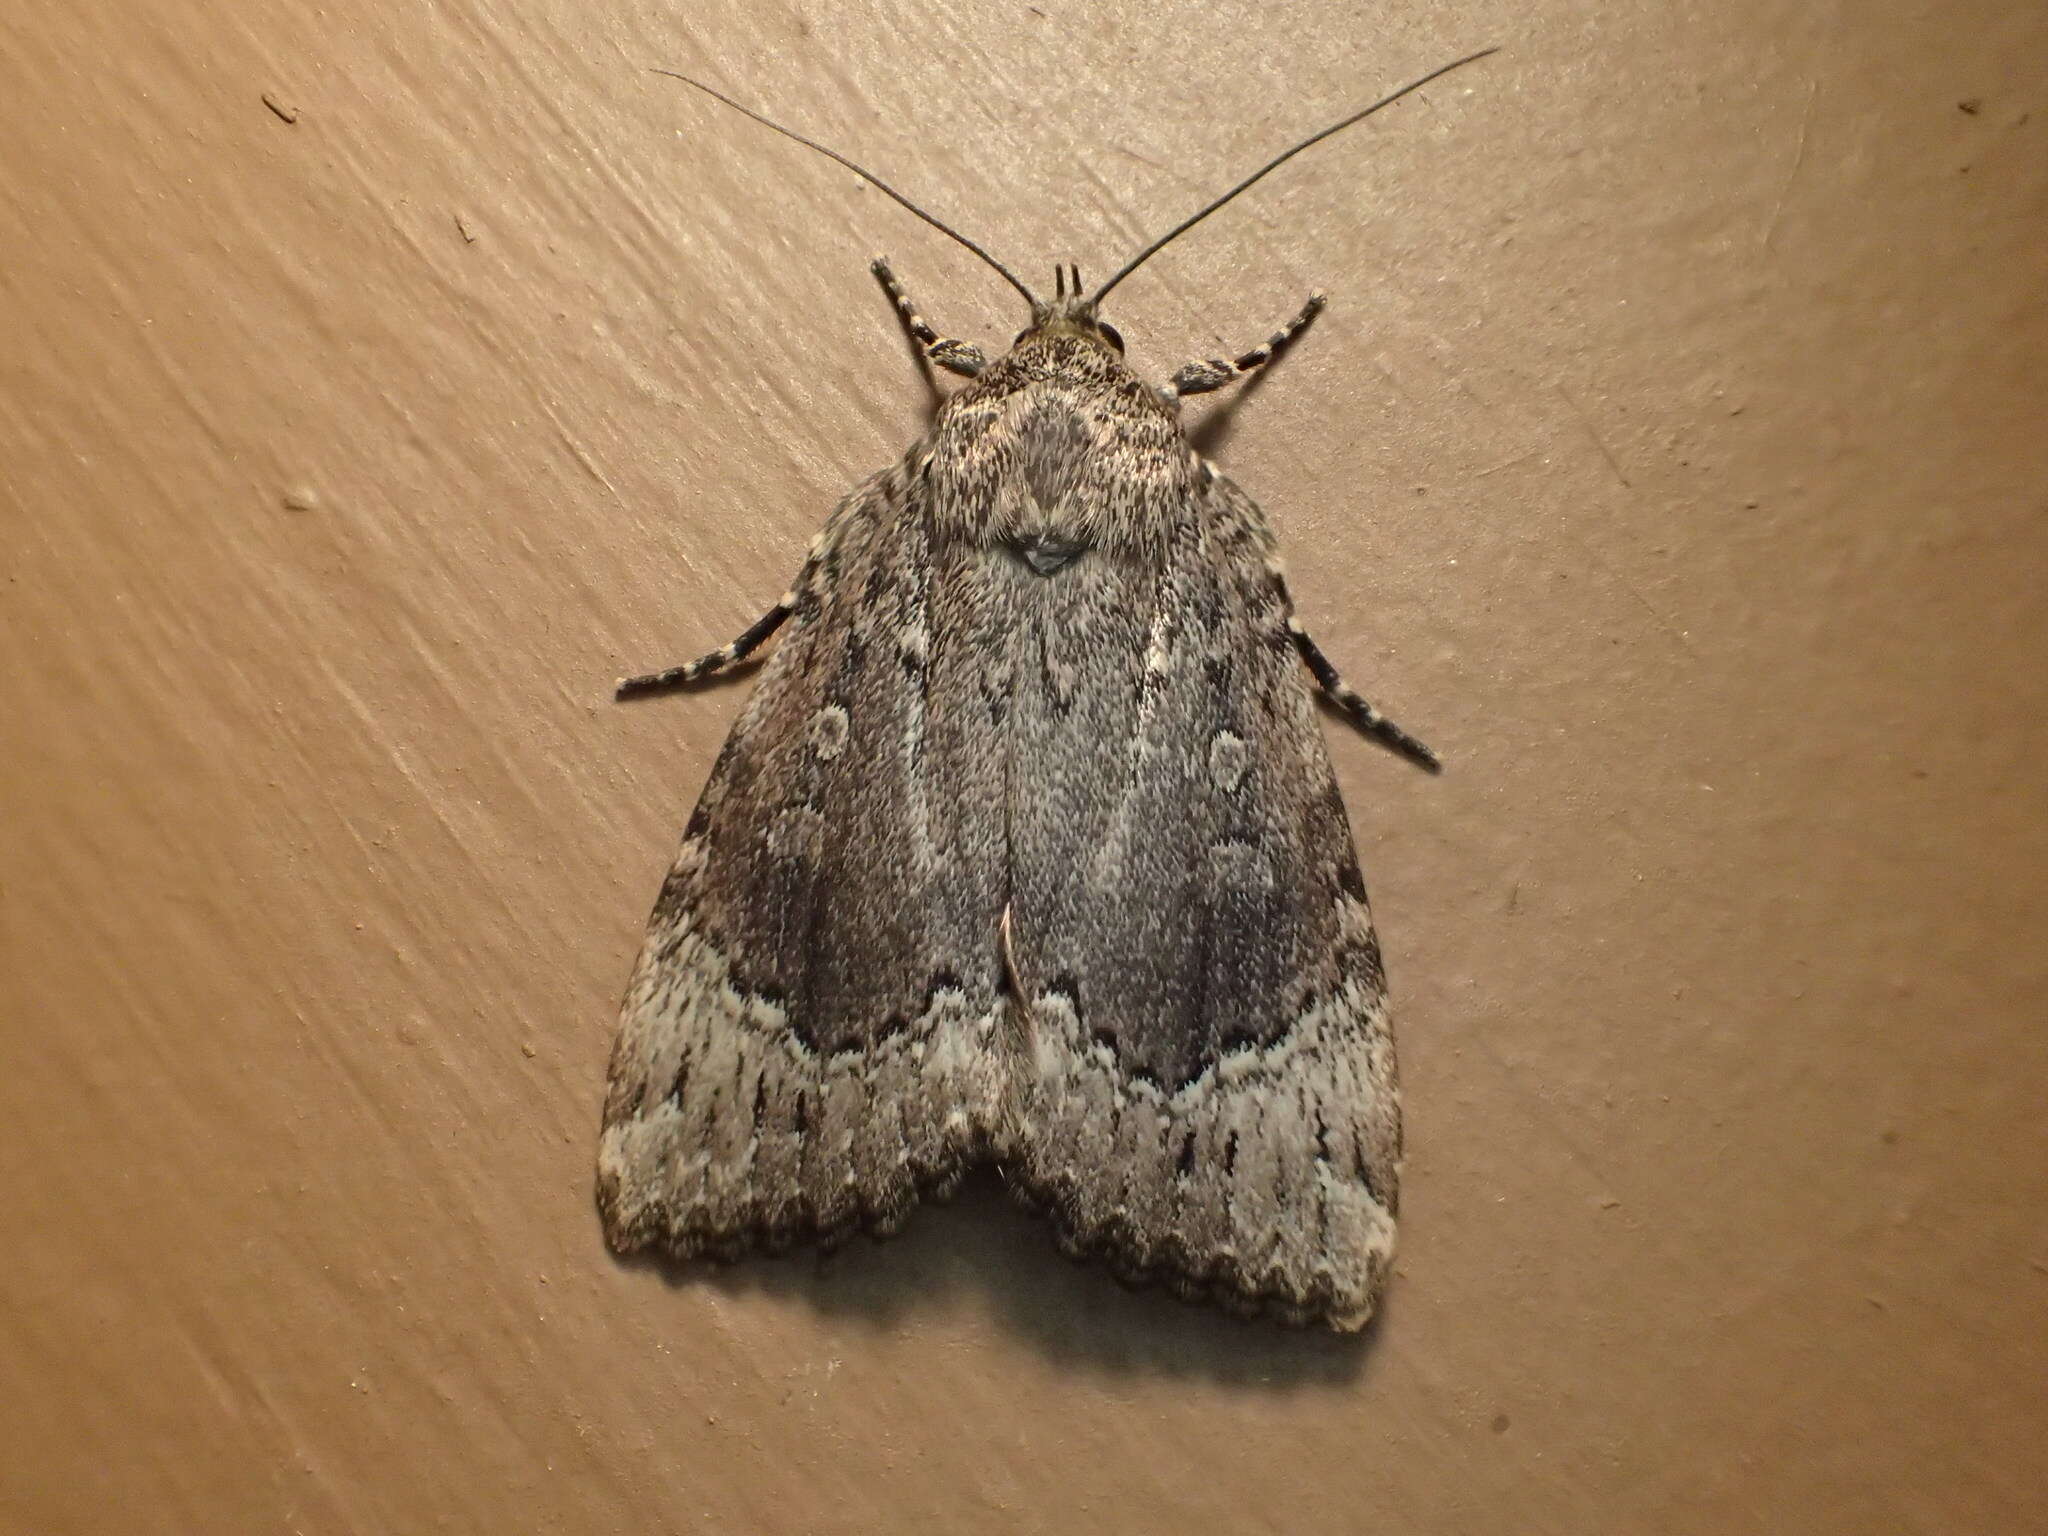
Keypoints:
pixel 1369 721
pixel 962 357
pixel 717 661
pixel 1198 378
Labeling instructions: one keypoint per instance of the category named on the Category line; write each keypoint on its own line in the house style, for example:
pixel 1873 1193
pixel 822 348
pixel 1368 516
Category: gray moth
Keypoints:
pixel 1026 850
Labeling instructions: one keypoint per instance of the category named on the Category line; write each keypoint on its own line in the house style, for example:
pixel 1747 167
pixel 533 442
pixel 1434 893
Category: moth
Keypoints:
pixel 1026 849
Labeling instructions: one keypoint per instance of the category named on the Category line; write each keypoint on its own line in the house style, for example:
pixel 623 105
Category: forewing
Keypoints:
pixel 1208 1096
pixel 806 1044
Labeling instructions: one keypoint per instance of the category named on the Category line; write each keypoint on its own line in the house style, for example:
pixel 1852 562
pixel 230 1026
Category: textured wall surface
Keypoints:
pixel 379 381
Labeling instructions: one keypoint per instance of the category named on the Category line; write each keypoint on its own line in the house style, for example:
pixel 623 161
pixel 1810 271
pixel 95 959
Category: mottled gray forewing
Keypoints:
pixel 806 1045
pixel 1209 1095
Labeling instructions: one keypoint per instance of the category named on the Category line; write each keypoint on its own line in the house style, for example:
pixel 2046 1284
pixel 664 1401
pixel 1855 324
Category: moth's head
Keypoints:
pixel 1069 312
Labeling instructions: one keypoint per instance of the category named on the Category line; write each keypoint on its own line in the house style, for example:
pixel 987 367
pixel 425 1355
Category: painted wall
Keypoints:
pixel 380 381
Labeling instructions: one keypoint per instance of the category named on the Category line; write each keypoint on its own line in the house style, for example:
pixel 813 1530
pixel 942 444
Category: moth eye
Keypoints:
pixel 1020 337
pixel 1114 336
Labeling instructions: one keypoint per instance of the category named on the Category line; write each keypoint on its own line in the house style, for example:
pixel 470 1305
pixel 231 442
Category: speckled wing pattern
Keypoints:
pixel 1026 849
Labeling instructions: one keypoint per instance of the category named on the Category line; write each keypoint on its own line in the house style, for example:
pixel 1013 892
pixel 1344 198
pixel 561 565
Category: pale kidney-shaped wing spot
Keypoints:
pixel 1229 761
pixel 829 728
pixel 914 641
pixel 1158 654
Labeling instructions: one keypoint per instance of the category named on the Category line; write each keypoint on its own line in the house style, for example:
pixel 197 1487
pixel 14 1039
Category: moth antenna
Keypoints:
pixel 1274 164
pixel 865 175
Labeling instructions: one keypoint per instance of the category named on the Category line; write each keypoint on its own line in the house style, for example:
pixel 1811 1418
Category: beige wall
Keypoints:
pixel 1670 457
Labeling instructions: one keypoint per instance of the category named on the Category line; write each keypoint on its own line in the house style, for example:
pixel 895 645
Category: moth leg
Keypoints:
pixel 1362 715
pixel 962 357
pixel 1369 721
pixel 1198 378
pixel 717 661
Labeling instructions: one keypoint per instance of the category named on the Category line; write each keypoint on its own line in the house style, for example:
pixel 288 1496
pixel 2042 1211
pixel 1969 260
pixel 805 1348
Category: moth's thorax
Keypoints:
pixel 1058 448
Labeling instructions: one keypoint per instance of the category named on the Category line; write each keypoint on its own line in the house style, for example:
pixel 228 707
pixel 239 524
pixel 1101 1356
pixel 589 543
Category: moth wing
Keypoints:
pixel 1208 1097
pixel 805 1046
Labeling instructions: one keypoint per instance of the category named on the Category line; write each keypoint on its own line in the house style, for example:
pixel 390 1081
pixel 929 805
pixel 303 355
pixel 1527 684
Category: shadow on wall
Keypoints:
pixel 1077 1314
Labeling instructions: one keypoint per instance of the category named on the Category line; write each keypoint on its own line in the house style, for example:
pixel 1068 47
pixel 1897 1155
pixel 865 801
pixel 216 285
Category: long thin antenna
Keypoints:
pixel 864 174
pixel 1274 164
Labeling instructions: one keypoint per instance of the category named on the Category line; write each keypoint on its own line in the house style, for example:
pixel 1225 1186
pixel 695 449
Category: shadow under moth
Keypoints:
pixel 1026 849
